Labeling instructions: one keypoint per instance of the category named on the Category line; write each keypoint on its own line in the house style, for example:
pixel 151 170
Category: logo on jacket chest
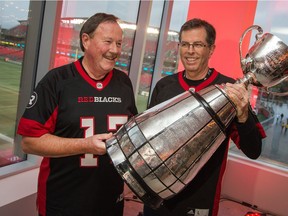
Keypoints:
pixel 99 100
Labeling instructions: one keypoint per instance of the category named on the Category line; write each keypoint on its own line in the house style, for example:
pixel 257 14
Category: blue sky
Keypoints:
pixel 11 11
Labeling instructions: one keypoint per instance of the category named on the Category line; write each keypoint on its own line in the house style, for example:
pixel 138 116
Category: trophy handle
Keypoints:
pixel 244 61
pixel 278 90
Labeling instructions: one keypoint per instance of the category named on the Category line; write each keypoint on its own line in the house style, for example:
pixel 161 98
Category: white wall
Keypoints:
pixel 257 184
pixel 248 181
pixel 17 194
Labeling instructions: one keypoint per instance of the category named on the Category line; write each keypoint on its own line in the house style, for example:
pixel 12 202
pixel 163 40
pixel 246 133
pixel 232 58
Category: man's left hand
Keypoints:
pixel 239 96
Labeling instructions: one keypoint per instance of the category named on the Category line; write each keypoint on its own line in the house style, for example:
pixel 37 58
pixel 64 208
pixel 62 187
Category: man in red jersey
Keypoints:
pixel 70 114
pixel 201 196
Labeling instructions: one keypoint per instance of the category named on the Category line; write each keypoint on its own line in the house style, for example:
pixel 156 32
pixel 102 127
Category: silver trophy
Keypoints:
pixel 266 61
pixel 161 150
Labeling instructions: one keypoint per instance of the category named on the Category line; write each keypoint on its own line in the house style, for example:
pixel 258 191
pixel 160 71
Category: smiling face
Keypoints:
pixel 195 59
pixel 102 49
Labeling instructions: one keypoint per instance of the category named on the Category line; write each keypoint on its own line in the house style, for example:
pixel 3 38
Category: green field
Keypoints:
pixel 10 74
pixel 141 103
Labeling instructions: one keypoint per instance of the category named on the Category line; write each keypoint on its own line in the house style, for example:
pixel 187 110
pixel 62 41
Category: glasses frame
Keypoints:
pixel 195 45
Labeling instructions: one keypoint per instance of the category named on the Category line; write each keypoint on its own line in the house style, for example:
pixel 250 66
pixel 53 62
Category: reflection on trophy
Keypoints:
pixel 161 150
pixel 267 61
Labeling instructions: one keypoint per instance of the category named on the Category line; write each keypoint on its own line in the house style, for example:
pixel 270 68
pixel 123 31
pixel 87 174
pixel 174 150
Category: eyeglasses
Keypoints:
pixel 196 45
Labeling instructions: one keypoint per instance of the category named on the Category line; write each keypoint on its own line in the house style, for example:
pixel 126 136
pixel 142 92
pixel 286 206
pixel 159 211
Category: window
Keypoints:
pixel 161 51
pixel 13 29
pixel 75 13
pixel 23 36
pixel 149 57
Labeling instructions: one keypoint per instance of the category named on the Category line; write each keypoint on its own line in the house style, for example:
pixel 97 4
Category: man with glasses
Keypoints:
pixel 201 196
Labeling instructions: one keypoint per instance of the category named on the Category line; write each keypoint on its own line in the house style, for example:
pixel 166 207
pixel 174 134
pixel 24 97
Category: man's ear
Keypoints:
pixel 212 48
pixel 85 39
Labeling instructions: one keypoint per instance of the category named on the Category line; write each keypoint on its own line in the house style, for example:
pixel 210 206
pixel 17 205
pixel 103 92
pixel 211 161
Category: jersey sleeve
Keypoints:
pixel 248 136
pixel 41 111
pixel 165 89
pixel 153 100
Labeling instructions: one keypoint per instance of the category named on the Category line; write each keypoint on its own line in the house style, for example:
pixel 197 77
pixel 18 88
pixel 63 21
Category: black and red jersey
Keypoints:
pixel 68 103
pixel 201 196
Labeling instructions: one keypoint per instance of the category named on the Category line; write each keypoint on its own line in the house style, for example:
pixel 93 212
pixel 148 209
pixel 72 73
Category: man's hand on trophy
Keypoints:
pixel 239 95
pixel 96 144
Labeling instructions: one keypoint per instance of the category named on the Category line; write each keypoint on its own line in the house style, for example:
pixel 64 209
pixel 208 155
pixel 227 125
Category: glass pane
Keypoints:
pixel 178 18
pixel 13 28
pixel 170 63
pixel 149 55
